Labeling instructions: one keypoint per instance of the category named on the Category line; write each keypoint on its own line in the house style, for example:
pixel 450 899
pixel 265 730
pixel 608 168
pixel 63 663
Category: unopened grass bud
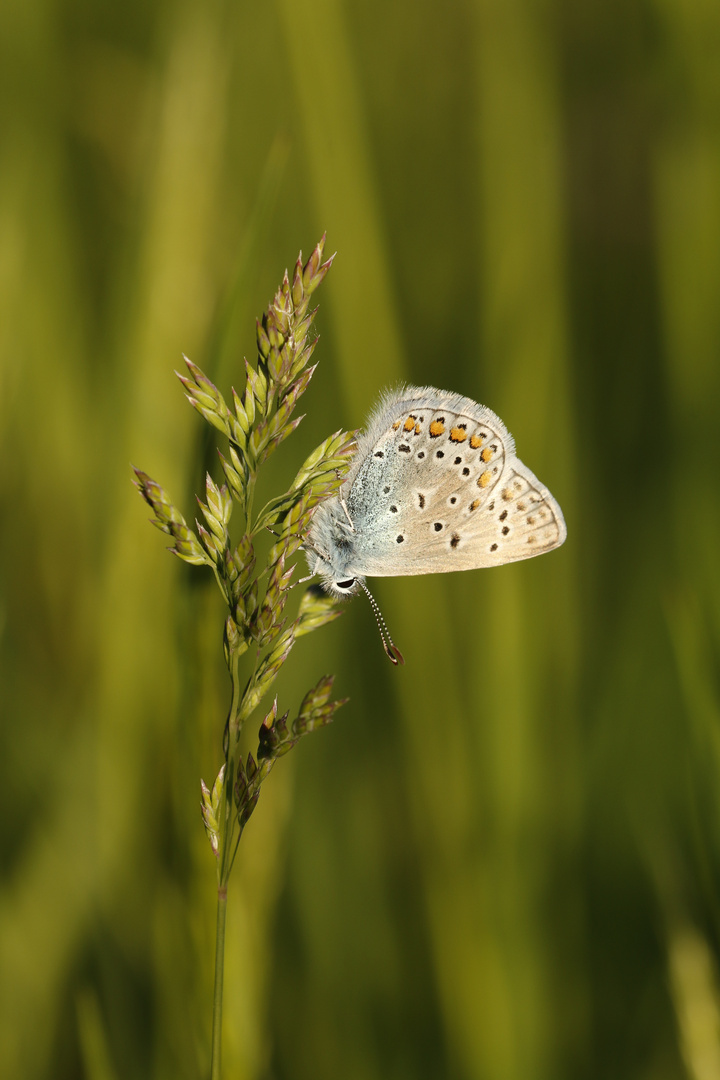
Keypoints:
pixel 189 550
pixel 210 806
pixel 169 520
pixel 262 623
pixel 302 327
pixel 316 709
pixel 244 609
pixel 246 812
pixel 267 735
pixel 316 610
pixel 271 716
pixel 251 599
pixel 304 355
pixel 240 787
pixel 297 283
pixel 286 579
pixel 233 641
pixel 239 565
pixel 286 546
pixel 209 543
pixel 241 414
pixel 276 440
pixel 320 275
pixel 312 265
pixel 276 629
pixel 204 396
pixel 219 422
pixel 273 739
pixel 274 332
pixel 235 481
pixel 216 527
pixel 263 341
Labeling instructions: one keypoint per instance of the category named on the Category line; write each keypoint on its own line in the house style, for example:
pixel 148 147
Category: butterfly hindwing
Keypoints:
pixel 436 486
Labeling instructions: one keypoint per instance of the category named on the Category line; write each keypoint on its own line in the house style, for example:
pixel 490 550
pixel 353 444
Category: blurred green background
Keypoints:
pixel 502 861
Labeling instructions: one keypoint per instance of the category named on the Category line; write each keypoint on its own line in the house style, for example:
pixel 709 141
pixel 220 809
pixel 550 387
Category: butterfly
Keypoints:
pixel 434 485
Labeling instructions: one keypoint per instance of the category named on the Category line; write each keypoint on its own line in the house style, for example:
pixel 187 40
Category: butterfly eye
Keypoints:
pixel 345 584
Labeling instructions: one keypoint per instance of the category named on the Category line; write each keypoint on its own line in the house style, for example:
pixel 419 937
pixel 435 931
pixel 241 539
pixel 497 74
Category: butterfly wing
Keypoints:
pixel 436 486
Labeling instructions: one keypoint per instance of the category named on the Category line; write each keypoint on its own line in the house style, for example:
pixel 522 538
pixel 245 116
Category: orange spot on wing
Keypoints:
pixel 409 423
pixel 436 428
pixel 486 454
pixel 476 440
pixel 458 434
pixel 484 479
pixel 396 425
pixel 417 429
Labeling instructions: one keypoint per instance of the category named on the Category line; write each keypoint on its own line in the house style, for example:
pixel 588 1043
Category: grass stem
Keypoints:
pixel 215 1063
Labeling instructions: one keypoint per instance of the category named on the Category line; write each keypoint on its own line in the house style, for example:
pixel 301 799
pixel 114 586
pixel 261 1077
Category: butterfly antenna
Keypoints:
pixel 390 648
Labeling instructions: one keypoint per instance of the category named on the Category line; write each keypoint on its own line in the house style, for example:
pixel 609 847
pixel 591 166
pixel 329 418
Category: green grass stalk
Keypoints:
pixel 258 422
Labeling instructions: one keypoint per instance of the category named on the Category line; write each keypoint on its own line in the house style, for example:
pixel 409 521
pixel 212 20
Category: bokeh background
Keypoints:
pixel 502 861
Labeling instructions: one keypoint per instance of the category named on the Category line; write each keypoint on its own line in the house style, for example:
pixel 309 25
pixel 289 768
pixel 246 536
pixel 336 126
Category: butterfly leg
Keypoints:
pixel 347 515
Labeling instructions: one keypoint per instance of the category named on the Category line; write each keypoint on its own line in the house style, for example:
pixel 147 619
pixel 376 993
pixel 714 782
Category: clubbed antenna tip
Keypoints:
pixel 394 654
pixel 391 650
